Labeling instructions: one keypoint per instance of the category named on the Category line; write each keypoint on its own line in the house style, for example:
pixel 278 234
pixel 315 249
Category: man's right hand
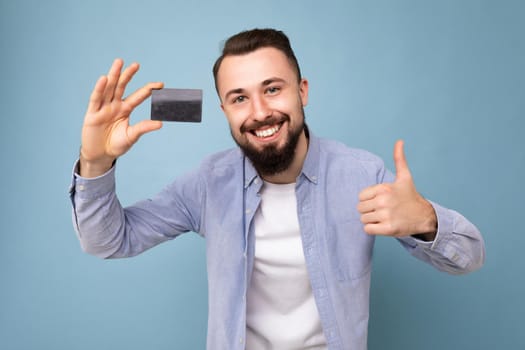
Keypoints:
pixel 106 133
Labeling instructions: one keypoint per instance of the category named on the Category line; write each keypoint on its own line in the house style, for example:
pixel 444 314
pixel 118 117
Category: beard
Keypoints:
pixel 271 159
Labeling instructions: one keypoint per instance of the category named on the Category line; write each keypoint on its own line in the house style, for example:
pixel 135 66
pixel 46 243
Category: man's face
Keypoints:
pixel 263 102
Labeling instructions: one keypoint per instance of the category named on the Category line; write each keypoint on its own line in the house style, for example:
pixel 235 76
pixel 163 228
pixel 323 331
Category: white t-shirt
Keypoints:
pixel 281 310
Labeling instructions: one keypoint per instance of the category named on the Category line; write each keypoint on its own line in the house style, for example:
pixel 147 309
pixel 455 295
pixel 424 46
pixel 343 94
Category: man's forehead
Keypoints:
pixel 254 68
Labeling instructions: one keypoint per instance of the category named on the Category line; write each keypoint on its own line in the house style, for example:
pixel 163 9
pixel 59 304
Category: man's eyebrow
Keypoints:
pixel 273 80
pixel 233 91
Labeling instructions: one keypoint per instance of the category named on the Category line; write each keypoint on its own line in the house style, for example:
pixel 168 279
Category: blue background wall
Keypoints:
pixel 447 76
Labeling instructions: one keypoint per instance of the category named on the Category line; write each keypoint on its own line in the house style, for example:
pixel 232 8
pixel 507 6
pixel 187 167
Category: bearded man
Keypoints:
pixel 289 219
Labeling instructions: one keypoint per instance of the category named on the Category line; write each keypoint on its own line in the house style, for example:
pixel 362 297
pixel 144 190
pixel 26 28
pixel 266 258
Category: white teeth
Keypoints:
pixel 267 133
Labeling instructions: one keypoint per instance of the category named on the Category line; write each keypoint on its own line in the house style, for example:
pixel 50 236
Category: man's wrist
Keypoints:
pixel 429 231
pixel 90 169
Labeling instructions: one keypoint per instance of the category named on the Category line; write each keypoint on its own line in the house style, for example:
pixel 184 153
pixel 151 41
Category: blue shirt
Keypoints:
pixel 219 200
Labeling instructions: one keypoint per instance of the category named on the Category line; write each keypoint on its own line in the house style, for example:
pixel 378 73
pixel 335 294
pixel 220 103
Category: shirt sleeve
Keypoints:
pixel 107 230
pixel 458 247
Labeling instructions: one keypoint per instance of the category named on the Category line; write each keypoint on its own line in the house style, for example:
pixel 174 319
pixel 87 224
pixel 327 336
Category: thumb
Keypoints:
pixel 400 162
pixel 141 128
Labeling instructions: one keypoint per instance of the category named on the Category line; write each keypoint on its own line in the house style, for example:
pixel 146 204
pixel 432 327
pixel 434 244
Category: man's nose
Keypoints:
pixel 260 108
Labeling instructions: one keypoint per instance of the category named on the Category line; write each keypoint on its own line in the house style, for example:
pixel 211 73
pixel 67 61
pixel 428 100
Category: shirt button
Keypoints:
pixel 248 211
pixel 241 340
pixel 81 187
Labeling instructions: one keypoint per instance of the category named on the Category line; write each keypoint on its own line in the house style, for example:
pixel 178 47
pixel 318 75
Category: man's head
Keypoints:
pixel 262 94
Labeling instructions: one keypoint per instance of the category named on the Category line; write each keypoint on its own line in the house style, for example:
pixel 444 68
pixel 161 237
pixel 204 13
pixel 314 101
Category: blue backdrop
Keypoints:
pixel 446 76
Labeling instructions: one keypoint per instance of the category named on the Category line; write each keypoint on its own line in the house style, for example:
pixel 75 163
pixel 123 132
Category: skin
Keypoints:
pixel 397 209
pixel 253 89
pixel 255 86
pixel 106 133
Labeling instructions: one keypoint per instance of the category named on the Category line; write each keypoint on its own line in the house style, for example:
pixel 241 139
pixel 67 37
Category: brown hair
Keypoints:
pixel 251 40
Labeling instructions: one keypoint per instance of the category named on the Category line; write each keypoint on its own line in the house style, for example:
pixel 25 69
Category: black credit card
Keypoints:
pixel 177 105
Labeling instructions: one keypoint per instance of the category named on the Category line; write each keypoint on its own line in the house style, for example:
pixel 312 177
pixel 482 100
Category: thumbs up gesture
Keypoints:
pixel 397 209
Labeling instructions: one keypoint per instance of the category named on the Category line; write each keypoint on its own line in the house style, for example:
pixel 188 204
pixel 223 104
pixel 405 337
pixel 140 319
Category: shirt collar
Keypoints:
pixel 312 160
pixel 250 174
pixel 310 167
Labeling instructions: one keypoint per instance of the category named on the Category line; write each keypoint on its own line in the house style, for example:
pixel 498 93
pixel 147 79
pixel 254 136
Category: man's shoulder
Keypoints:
pixel 225 159
pixel 337 159
pixel 336 149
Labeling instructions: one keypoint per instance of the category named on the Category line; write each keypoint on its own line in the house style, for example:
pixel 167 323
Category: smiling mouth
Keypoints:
pixel 267 132
pixel 267 128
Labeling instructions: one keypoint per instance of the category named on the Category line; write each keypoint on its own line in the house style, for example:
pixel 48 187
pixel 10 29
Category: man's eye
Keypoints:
pixel 239 99
pixel 273 90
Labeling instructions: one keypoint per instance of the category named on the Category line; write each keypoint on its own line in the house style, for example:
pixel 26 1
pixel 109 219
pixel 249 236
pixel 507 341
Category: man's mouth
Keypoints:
pixel 267 132
pixel 265 129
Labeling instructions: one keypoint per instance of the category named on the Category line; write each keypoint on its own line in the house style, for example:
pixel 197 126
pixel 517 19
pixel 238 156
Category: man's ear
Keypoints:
pixel 303 91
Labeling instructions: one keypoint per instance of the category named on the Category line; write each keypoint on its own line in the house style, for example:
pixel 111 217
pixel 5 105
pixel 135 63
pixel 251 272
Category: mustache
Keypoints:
pixel 272 120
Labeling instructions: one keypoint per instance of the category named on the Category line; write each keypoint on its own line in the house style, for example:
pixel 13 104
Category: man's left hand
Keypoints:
pixel 397 209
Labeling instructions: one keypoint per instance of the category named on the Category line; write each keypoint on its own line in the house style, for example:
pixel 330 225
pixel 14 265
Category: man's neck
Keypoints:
pixel 290 175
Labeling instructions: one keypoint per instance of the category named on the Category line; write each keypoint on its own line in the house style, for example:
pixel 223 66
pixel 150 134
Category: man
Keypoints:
pixel 289 219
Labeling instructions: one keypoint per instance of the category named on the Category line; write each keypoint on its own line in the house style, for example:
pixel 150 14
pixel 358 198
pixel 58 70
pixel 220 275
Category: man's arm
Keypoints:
pixel 457 247
pixel 430 232
pixel 107 230
pixel 104 228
